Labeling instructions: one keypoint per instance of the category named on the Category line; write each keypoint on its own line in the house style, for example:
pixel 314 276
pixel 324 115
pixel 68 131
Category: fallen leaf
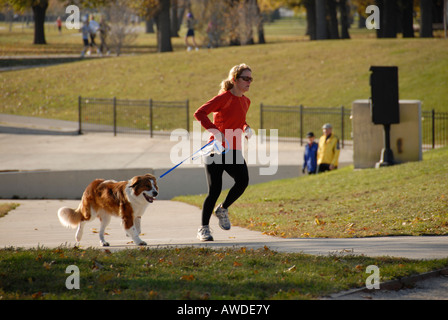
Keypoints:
pixel 291 269
pixel 48 265
pixel 103 278
pixel 97 266
pixel 37 295
pixel 116 291
pixel 189 277
pixel 205 296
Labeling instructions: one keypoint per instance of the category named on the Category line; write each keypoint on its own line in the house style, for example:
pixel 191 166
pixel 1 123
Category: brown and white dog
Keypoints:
pixel 106 198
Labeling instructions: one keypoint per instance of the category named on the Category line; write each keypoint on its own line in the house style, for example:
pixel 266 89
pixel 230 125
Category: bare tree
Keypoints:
pixel 214 20
pixel 159 11
pixel 122 32
pixel 248 18
pixel 229 21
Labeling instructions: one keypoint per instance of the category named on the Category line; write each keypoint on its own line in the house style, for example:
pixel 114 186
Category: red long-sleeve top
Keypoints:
pixel 229 117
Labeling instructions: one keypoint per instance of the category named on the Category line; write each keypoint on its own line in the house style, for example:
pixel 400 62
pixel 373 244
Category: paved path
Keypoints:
pixel 172 223
pixel 29 143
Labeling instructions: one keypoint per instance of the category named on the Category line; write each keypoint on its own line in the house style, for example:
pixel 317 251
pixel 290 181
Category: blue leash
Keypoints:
pixel 192 157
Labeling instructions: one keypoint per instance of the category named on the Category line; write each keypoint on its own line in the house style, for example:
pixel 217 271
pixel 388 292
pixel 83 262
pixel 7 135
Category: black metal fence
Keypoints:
pixel 293 122
pixel 132 116
pixel 434 129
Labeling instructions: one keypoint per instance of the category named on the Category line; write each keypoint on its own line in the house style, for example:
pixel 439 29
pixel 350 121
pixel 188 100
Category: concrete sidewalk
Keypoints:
pixel 29 143
pixel 165 223
pixel 171 223
pixel 56 163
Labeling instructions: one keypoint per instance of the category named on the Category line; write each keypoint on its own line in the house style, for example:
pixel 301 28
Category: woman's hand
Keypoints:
pixel 248 132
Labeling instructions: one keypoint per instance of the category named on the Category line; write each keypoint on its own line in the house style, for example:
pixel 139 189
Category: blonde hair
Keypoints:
pixel 234 73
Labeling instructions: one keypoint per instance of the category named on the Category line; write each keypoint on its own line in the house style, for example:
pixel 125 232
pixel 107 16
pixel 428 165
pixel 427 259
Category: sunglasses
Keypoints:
pixel 246 78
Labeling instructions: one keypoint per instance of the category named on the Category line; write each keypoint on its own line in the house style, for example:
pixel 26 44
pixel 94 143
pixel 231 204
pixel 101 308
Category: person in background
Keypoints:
pixel 104 31
pixel 190 32
pixel 328 151
pixel 310 155
pixel 93 28
pixel 85 37
pixel 59 24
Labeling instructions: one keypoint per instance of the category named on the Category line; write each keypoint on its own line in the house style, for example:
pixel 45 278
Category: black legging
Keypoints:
pixel 234 164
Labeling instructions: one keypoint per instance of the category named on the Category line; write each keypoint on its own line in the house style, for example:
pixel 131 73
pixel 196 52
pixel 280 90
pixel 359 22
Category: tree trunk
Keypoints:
pixel 345 25
pixel 426 18
pixel 333 21
pixel 163 27
pixel 407 18
pixel 174 18
pixel 39 20
pixel 149 25
pixel 235 25
pixel 380 31
pixel 390 25
pixel 260 28
pixel 321 20
pixel 310 19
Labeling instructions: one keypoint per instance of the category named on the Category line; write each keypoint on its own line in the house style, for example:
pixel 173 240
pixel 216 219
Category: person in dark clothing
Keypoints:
pixel 310 155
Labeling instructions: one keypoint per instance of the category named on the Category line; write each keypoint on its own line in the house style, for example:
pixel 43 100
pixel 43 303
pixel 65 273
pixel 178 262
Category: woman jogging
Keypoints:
pixel 229 109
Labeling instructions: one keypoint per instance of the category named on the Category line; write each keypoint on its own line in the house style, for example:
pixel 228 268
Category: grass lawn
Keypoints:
pixel 6 207
pixel 407 199
pixel 190 273
pixel 319 73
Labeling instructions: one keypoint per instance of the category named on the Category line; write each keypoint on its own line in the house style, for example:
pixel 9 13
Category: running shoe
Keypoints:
pixel 223 216
pixel 205 234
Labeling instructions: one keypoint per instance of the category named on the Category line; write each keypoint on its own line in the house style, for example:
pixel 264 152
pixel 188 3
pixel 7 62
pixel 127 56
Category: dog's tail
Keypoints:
pixel 70 218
